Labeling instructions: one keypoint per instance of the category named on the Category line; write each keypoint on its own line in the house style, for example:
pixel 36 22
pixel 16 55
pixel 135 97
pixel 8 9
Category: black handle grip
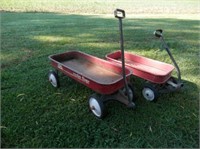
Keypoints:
pixel 119 13
pixel 158 33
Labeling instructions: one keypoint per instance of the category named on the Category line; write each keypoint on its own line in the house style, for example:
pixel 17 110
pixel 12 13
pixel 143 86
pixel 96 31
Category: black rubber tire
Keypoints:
pixel 99 111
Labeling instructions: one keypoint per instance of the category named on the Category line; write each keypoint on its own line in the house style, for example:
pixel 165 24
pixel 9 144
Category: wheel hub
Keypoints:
pixel 95 108
pixel 53 80
pixel 148 94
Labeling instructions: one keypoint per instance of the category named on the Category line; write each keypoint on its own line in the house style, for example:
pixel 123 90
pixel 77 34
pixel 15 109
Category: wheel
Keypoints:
pixel 53 79
pixel 131 92
pixel 96 106
pixel 150 93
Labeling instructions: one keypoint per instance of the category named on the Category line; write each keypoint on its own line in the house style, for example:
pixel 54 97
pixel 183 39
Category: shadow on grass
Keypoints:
pixel 36 115
pixel 58 31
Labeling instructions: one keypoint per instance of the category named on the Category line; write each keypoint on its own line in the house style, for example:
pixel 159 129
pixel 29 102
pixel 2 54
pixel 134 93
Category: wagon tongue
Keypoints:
pixel 120 14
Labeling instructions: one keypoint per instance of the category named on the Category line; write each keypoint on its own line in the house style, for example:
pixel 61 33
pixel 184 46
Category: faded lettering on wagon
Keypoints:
pixel 81 78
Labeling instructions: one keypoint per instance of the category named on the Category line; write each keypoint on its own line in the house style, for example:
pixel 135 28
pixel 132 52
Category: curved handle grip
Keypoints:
pixel 119 13
pixel 158 33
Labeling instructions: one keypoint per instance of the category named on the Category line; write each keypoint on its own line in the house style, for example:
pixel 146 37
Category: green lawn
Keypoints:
pixel 34 114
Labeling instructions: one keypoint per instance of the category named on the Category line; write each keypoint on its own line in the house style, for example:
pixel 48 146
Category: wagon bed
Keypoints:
pixel 148 69
pixel 100 75
pixel 92 70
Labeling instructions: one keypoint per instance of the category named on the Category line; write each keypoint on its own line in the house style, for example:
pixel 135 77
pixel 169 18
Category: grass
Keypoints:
pixel 103 7
pixel 34 114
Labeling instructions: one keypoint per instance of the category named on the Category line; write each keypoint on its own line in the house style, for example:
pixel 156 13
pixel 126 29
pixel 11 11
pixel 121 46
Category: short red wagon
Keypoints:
pixel 156 74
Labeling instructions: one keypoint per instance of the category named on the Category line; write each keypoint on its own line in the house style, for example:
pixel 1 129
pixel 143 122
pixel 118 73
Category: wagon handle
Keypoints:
pixel 158 33
pixel 119 13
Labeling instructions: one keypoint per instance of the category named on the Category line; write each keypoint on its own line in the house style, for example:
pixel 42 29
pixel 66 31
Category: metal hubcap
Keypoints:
pixel 95 107
pixel 148 94
pixel 53 80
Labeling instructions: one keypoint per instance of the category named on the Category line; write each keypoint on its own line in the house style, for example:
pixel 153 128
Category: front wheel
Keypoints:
pixel 53 79
pixel 149 92
pixel 96 106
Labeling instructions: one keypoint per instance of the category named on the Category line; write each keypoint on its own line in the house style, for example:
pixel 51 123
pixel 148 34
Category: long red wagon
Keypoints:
pixel 109 81
pixel 103 77
pixel 99 75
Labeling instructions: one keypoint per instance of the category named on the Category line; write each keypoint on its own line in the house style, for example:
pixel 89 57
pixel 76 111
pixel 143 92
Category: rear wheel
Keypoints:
pixel 149 92
pixel 96 106
pixel 53 78
pixel 130 91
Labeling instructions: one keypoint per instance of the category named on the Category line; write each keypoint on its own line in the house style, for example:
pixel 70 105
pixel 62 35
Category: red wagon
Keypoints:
pixel 104 77
pixel 157 74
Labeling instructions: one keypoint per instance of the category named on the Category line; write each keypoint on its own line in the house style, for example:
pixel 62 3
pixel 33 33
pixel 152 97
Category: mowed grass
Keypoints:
pixel 103 7
pixel 34 114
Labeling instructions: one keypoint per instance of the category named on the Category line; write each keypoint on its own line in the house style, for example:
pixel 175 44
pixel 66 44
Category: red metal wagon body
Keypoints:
pixel 100 75
pixel 109 80
pixel 145 68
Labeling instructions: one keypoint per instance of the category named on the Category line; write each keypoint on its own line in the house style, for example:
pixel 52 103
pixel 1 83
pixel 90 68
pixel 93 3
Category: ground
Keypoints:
pixel 34 114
